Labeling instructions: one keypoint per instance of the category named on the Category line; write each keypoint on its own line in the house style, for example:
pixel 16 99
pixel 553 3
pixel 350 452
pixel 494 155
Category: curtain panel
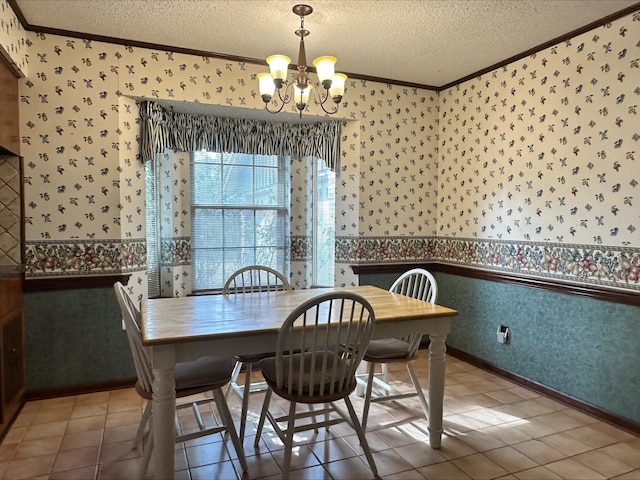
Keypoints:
pixel 183 132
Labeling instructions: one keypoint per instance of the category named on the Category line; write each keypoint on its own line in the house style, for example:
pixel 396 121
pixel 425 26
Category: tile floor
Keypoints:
pixel 493 429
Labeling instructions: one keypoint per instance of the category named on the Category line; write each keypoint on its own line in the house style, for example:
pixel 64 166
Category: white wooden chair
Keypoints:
pixel 192 378
pixel 254 278
pixel 420 284
pixel 319 348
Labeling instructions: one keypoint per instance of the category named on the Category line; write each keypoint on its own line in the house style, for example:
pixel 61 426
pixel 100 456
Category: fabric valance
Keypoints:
pixel 163 129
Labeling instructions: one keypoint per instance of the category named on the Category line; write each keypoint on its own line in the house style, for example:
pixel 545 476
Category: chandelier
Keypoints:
pixel 332 83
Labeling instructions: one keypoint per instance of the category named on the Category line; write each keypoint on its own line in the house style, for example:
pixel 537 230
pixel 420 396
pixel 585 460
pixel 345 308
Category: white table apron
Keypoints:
pixel 165 357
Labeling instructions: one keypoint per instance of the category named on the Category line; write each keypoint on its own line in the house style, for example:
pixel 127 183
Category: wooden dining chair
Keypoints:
pixel 191 378
pixel 319 347
pixel 251 279
pixel 416 283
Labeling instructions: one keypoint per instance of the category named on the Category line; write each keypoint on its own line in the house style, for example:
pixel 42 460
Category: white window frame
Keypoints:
pixel 282 210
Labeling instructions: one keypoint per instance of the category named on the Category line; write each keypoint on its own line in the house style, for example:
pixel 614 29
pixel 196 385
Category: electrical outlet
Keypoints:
pixel 503 334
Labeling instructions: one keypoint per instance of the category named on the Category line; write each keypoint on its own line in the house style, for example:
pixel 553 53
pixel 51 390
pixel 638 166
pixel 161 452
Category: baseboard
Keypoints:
pixel 46 393
pixel 584 407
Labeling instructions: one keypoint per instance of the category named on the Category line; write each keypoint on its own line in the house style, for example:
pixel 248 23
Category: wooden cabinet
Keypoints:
pixel 9 110
pixel 12 356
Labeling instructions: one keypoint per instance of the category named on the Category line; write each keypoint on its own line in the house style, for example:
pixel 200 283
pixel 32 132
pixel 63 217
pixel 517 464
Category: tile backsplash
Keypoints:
pixel 10 210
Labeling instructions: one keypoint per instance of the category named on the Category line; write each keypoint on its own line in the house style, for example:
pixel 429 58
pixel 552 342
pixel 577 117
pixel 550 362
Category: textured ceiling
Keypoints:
pixel 427 42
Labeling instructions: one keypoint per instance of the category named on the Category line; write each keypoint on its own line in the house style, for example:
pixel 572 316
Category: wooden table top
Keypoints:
pixel 185 319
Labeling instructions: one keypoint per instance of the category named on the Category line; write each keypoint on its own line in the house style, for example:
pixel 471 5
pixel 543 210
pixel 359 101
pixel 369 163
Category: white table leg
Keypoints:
pixel 437 351
pixel 163 411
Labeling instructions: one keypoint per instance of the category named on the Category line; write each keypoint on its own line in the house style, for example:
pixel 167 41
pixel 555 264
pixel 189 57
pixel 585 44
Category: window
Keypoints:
pixel 324 231
pixel 153 232
pixel 239 215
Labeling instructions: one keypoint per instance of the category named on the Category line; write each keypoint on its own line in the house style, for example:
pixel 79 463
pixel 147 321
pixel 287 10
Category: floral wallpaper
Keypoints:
pixel 12 40
pixel 74 104
pixel 529 168
pixel 541 157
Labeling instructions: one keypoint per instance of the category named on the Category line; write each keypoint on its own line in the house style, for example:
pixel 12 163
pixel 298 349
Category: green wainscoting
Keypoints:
pixel 586 349
pixel 74 338
pixel 583 348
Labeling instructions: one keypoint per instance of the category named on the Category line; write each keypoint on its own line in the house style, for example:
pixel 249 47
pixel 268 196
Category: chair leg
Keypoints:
pixel 315 421
pixel 245 399
pixel 146 457
pixel 288 441
pixel 144 421
pixel 385 373
pixel 361 436
pixel 367 395
pixel 223 408
pixel 263 416
pixel 234 379
pixel 327 415
pixel 419 392
pixel 361 385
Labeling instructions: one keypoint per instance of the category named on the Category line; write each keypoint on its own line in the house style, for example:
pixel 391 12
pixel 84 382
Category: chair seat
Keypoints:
pixel 387 349
pixel 255 358
pixel 342 385
pixel 206 371
pixel 201 375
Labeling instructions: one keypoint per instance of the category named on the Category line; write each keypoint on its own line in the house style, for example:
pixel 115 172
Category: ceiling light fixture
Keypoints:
pixel 332 83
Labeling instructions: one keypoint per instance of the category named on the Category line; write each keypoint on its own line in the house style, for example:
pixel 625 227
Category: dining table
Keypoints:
pixel 186 328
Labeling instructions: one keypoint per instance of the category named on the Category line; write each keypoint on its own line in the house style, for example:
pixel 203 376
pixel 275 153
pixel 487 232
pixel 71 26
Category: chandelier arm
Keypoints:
pixel 287 93
pixel 321 99
pixel 330 112
pixel 266 106
pixel 283 101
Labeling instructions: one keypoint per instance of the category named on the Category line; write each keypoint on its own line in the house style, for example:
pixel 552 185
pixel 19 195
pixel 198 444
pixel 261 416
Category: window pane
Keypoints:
pixel 239 228
pixel 271 257
pixel 153 229
pixel 209 231
pixel 266 160
pixel 268 188
pixel 324 230
pixel 237 185
pixel 237 159
pixel 208 188
pixel 208 157
pixel 208 269
pixel 236 258
pixel 269 227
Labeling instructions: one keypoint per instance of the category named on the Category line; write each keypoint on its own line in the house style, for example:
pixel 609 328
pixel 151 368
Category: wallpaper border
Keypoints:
pixel 84 257
pixel 612 267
